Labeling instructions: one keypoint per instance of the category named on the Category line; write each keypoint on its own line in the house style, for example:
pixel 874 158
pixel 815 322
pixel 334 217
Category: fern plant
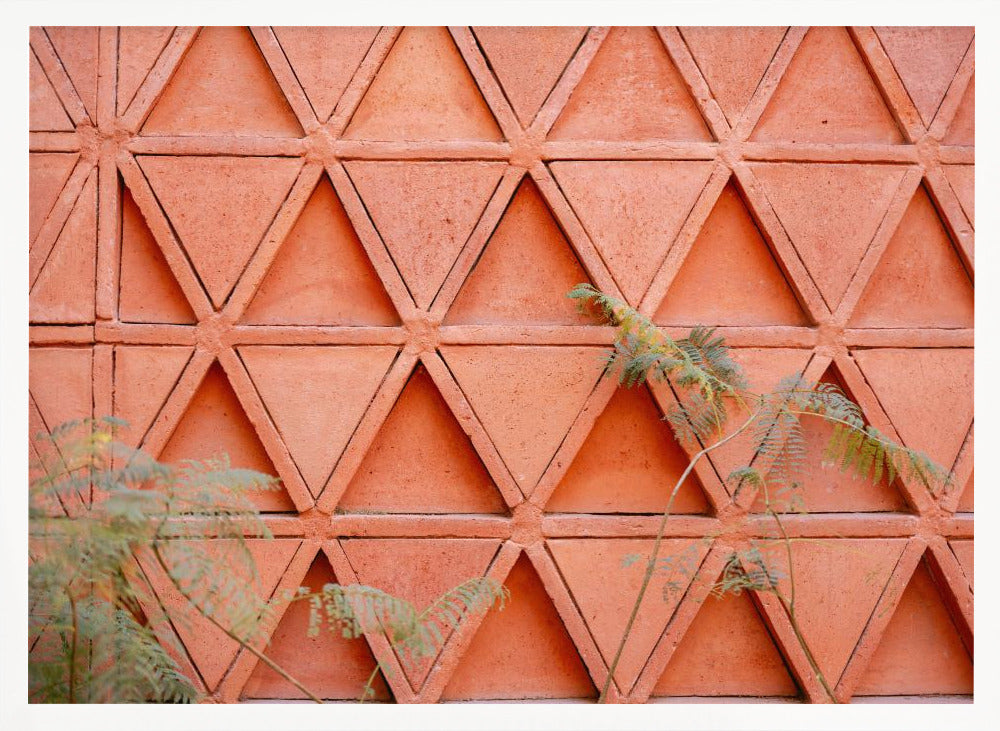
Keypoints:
pixel 712 393
pixel 96 505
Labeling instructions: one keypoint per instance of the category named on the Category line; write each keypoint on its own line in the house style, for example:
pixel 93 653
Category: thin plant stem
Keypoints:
pixel 72 649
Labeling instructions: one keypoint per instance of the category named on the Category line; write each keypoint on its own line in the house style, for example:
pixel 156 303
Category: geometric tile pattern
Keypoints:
pixel 323 249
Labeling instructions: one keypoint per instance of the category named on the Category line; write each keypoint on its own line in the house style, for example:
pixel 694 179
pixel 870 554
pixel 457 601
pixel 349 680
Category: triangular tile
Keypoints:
pixel 926 393
pixel 764 369
pixel 47 174
pixel 324 74
pixel 730 276
pixel 65 289
pixel 45 111
pixel 964 553
pixel 838 582
pixel 144 377
pixel 963 127
pixel 827 95
pixel 926 59
pixel 138 49
pixel 921 652
pixel 425 212
pixel 831 214
pixel 214 424
pixel 962 179
pixel 211 649
pixel 329 665
pixel 607 604
pixel 148 290
pixel 321 275
pixel 223 86
pixel 629 463
pixel 204 195
pixel 423 91
pixel 419 570
pixel 727 651
pixel 528 61
pixel 919 281
pixel 421 461
pixel 966 503
pixel 632 211
pixel 77 49
pixel 524 273
pixel 60 380
pixel 733 61
pixel 824 487
pixel 526 397
pixel 316 396
pixel 631 91
pixel 523 652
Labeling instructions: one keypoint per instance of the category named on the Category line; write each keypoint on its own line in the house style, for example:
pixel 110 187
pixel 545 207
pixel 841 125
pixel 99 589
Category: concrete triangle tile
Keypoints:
pixel 526 397
pixel 60 380
pixel 733 61
pixel 966 503
pixel 144 377
pixel 730 276
pixel 524 273
pixel 921 652
pixel 962 179
pixel 45 111
pixel 324 75
pixel 831 214
pixel 919 281
pixel 607 604
pixel 632 211
pixel 523 652
pixel 421 461
pixel 838 582
pixel 321 275
pixel 329 665
pixel 215 423
pixel 211 650
pixel 907 381
pixel 47 174
pixel 528 61
pixel 926 59
pixel 419 570
pixel 962 130
pixel 827 95
pixel 64 291
pixel 423 91
pixel 223 86
pixel 628 464
pixel 148 290
pixel 316 396
pixel 727 651
pixel 425 212
pixel 200 195
pixel 138 49
pixel 631 91
pixel 77 47
pixel 964 553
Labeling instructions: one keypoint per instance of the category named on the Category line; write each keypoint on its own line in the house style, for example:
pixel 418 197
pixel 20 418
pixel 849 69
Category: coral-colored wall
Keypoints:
pixel 340 256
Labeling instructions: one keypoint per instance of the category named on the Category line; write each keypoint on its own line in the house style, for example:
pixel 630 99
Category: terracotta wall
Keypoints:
pixel 340 256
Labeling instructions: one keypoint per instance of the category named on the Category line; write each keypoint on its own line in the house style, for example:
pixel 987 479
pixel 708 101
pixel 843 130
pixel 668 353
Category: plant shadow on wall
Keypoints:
pixel 715 406
pixel 104 516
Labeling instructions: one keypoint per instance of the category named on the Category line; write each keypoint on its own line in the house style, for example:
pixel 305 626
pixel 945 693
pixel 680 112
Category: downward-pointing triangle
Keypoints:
pixel 144 377
pixel 45 111
pixel 77 47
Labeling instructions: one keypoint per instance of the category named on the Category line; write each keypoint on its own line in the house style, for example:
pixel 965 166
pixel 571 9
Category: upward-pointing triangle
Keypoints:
pixel 205 195
pixel 423 91
pixel 47 174
pixel 827 95
pixel 425 212
pixel 730 276
pixel 316 397
pixel 963 127
pixel 919 281
pixel 831 214
pixel 633 211
pixel 631 91
pixel 138 49
pixel 223 86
